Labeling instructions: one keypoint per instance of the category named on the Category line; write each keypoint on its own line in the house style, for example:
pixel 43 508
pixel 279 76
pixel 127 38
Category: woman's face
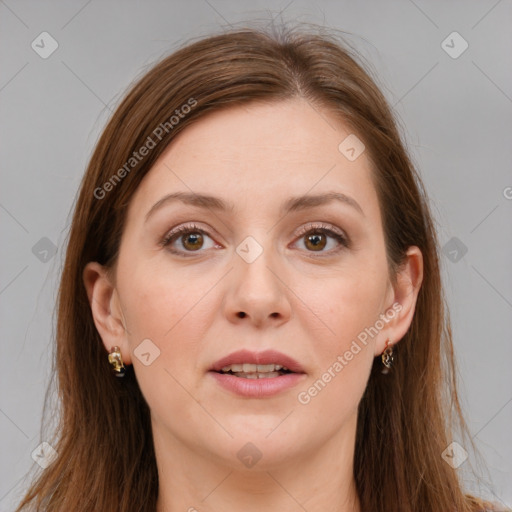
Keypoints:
pixel 305 278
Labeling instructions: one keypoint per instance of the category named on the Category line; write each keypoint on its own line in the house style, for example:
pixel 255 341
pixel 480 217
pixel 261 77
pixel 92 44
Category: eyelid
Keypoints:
pixel 312 226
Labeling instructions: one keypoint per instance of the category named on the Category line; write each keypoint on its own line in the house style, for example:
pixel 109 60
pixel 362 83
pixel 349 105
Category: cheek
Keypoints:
pixel 159 302
pixel 347 302
pixel 349 305
pixel 344 353
pixel 171 311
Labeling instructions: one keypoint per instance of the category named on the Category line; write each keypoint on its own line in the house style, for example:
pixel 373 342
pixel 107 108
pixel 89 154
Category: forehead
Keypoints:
pixel 257 154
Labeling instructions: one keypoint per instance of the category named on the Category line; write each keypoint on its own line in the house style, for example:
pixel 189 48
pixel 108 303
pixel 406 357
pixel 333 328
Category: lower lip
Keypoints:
pixel 258 388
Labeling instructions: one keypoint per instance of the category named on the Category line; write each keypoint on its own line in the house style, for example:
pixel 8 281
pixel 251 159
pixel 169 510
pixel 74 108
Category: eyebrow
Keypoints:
pixel 292 204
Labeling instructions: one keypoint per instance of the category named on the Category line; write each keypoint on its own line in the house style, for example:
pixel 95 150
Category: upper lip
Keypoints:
pixel 265 357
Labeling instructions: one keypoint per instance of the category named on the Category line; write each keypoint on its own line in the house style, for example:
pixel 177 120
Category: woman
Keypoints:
pixel 253 254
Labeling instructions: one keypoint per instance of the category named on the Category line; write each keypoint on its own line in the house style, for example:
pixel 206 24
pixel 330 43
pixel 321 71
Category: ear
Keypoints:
pixel 402 299
pixel 106 310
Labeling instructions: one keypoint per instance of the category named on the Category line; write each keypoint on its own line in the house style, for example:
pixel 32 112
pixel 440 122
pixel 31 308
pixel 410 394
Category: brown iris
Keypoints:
pixel 192 241
pixel 316 241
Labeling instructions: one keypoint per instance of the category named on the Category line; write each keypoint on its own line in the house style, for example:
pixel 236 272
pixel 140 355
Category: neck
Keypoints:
pixel 318 480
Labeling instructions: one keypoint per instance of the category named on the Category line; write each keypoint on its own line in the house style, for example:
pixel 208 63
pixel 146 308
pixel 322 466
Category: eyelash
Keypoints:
pixel 305 230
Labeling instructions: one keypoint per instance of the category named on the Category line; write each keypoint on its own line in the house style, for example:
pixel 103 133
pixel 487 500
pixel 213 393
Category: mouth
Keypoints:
pixel 250 365
pixel 257 374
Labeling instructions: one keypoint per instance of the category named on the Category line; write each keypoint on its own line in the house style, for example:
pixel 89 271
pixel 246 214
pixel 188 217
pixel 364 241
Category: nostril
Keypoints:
pixel 241 314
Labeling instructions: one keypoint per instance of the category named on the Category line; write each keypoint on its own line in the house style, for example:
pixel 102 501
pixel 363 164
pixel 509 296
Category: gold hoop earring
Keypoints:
pixel 115 359
pixel 387 358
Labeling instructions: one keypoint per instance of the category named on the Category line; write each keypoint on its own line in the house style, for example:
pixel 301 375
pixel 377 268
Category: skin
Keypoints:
pixel 295 300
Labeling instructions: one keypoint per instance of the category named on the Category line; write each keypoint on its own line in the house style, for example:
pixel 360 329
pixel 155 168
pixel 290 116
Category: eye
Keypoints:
pixel 188 238
pixel 317 237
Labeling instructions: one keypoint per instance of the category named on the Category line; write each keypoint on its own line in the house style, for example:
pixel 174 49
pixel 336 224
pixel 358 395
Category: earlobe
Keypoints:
pixel 405 295
pixel 105 309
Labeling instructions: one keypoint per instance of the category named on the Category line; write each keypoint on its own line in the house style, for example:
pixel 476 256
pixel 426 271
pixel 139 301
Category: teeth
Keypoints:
pixel 253 368
pixel 265 368
pixel 265 375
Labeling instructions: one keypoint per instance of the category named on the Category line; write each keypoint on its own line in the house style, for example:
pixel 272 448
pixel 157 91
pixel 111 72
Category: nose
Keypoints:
pixel 256 295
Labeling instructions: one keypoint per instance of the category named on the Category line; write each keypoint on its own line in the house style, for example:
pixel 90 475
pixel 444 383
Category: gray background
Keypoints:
pixel 456 114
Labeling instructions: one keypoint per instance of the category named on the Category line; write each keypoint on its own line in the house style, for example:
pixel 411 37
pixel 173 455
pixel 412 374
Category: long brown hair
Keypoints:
pixel 106 459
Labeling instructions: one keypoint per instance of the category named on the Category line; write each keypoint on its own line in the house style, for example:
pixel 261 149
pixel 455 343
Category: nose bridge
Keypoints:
pixel 252 262
pixel 255 290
